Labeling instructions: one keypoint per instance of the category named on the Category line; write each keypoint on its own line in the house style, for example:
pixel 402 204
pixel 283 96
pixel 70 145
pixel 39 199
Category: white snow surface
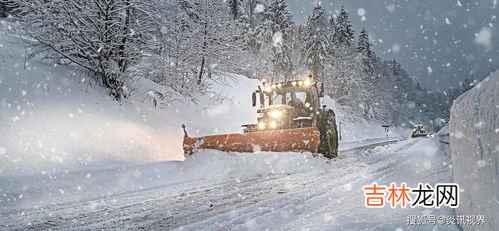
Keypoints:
pixel 474 146
pixel 72 158
pixel 200 170
pixel 236 191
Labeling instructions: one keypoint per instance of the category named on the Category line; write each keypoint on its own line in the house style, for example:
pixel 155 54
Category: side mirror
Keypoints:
pixel 321 90
pixel 253 98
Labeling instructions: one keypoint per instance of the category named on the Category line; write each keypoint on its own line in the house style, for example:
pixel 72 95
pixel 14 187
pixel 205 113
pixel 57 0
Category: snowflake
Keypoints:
pixel 259 8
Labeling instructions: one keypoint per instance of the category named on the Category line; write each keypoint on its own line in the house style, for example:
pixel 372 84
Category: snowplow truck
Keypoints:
pixel 418 130
pixel 289 119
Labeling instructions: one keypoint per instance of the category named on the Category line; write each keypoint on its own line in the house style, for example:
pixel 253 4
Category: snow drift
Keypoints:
pixel 52 121
pixel 474 144
pixel 202 170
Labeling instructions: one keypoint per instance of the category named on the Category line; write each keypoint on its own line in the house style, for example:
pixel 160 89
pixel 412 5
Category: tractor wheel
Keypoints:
pixel 328 145
pixel 331 144
pixel 332 137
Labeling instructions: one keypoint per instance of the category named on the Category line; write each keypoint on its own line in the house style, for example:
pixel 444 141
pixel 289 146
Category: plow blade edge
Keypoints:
pixel 286 140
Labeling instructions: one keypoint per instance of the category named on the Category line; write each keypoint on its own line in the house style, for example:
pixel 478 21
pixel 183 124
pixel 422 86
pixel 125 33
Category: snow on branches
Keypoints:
pixel 105 37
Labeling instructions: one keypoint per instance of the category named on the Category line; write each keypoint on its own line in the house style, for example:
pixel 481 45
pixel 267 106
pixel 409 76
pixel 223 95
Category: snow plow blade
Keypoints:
pixel 285 140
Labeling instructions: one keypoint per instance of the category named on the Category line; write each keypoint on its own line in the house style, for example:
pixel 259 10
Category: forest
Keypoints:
pixel 181 43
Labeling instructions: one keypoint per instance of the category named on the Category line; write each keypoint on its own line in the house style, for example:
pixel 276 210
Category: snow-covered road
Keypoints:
pixel 317 195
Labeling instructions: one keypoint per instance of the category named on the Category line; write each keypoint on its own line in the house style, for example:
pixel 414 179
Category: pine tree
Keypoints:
pixel 368 55
pixel 343 31
pixel 280 16
pixel 317 43
pixel 4 9
pixel 254 25
pixel 331 32
pixel 280 20
pixel 235 8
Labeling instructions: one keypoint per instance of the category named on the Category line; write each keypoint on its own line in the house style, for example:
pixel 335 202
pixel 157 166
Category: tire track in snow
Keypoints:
pixel 159 209
pixel 315 190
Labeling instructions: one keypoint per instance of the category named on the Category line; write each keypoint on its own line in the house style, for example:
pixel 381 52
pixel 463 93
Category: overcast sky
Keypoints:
pixel 438 42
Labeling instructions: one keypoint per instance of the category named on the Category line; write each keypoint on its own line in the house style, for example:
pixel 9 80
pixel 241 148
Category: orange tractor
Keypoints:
pixel 289 119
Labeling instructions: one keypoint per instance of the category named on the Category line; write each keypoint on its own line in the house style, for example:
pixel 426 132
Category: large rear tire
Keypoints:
pixel 328 145
pixel 332 141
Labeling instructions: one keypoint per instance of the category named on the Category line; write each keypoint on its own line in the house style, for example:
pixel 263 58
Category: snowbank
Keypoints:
pixel 355 129
pixel 204 169
pixel 474 144
pixel 52 121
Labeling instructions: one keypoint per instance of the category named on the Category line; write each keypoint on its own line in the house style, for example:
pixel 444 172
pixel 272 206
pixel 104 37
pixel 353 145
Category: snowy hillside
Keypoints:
pixel 474 143
pixel 51 120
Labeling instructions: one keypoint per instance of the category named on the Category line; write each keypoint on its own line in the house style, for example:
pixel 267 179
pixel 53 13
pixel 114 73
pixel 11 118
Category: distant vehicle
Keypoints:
pixel 418 131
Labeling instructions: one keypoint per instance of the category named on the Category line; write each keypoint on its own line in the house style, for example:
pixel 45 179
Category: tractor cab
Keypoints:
pixel 284 105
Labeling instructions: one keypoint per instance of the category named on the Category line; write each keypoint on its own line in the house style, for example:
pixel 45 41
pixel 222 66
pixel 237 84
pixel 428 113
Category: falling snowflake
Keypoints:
pixel 396 48
pixel 390 7
pixel 484 37
pixel 277 39
pixel 361 12
pixel 259 8
pixel 459 135
pixel 481 163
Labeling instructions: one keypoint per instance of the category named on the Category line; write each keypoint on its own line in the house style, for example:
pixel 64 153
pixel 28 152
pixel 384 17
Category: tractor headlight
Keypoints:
pixel 307 83
pixel 261 125
pixel 273 124
pixel 307 104
pixel 276 114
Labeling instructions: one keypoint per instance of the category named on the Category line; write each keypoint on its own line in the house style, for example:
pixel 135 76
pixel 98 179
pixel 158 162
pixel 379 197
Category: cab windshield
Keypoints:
pixel 278 98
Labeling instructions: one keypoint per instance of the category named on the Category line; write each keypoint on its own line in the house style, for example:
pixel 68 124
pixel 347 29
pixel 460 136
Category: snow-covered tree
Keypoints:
pixel 317 44
pixel 368 55
pixel 106 37
pixel 343 35
pixel 199 40
pixel 345 81
pixel 281 24
pixel 4 8
pixel 254 24
pixel 235 8
pixel 330 34
pixel 210 35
